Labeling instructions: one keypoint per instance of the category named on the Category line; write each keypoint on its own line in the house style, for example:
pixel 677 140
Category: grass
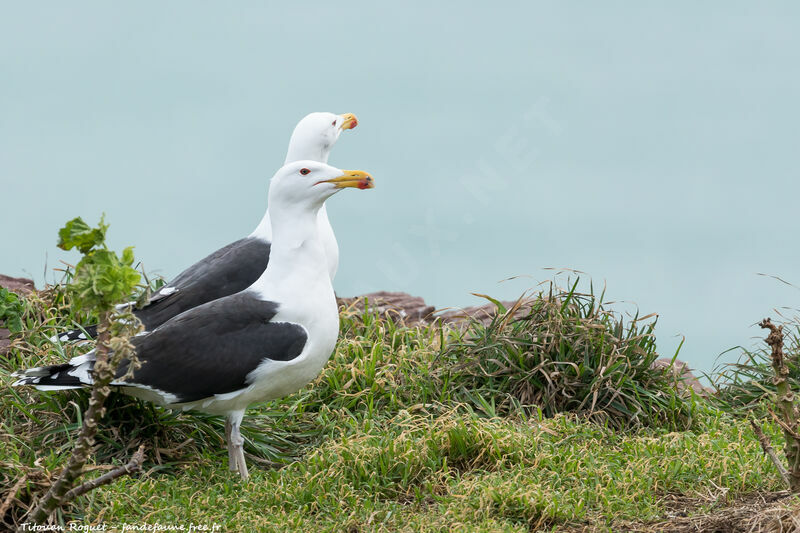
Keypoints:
pixel 550 421
pixel 568 354
pixel 746 384
pixel 423 471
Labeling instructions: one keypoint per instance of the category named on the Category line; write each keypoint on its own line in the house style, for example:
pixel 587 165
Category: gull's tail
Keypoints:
pixel 89 332
pixel 72 375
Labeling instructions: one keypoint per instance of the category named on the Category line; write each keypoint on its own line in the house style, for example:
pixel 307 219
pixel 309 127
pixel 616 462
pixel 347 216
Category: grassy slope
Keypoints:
pixel 383 440
pixel 422 472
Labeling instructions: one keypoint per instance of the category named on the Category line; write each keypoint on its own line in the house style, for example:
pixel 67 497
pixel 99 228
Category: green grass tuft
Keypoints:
pixel 566 353
pixel 746 384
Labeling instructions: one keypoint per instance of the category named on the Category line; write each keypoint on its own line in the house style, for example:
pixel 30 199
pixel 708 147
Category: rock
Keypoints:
pixel 413 309
pixel 5 341
pixel 482 313
pixel 685 379
pixel 398 305
pixel 18 285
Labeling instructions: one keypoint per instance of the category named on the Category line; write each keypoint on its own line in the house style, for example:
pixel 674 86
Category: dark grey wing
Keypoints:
pixel 212 348
pixel 227 271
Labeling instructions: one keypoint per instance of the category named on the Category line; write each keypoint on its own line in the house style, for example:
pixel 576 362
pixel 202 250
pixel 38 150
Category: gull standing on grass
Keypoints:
pixel 236 266
pixel 259 344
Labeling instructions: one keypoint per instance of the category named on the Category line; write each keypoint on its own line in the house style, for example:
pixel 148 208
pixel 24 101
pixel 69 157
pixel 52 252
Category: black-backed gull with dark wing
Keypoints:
pixel 237 265
pixel 262 343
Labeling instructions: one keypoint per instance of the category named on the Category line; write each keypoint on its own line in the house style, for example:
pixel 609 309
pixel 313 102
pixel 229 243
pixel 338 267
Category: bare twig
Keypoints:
pixel 104 374
pixel 785 402
pixel 770 451
pixel 12 494
pixel 131 467
pixel 784 426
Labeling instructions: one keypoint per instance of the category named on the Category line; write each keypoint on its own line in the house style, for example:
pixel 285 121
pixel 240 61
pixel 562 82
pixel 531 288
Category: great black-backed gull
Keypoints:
pixel 262 343
pixel 237 265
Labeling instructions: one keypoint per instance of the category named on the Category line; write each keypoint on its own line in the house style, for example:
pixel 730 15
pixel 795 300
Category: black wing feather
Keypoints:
pixel 225 272
pixel 212 348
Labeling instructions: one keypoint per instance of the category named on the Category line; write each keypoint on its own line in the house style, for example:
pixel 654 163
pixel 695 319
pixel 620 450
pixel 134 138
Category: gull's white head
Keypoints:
pixel 305 185
pixel 314 136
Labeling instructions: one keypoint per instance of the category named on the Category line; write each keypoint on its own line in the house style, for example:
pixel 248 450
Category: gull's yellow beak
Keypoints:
pixel 352 178
pixel 350 121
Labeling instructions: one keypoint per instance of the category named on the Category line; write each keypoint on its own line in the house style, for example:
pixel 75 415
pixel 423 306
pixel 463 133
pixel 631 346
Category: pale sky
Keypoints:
pixel 651 146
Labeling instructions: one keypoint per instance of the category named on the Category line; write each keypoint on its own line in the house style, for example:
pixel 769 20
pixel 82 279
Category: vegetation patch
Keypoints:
pixel 548 419
pixel 566 353
pixel 747 383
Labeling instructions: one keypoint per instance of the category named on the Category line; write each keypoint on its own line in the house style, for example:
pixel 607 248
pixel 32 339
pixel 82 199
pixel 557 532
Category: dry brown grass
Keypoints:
pixel 768 512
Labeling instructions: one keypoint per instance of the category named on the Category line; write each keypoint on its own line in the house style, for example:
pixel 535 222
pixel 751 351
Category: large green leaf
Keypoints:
pixel 78 234
pixel 11 310
pixel 102 279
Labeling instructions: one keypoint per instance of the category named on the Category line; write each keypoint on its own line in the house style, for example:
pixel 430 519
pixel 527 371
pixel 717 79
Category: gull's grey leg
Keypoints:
pixel 231 460
pixel 236 445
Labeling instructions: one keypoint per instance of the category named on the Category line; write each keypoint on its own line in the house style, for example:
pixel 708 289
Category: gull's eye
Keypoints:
pixel 333 123
pixel 305 171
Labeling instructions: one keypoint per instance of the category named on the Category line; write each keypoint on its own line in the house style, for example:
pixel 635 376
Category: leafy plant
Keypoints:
pixel 102 279
pixel 12 310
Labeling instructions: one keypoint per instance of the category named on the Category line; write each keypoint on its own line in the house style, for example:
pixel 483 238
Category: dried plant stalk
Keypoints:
pixel 770 451
pixel 109 351
pixel 785 402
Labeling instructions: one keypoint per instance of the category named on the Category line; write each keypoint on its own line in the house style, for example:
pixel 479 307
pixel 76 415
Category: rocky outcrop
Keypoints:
pixel 5 342
pixel 18 285
pixel 684 378
pixel 413 309
pixel 481 313
pixel 397 305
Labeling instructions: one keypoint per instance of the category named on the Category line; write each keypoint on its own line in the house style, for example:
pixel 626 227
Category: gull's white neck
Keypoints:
pixel 302 150
pixel 297 271
pixel 264 232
